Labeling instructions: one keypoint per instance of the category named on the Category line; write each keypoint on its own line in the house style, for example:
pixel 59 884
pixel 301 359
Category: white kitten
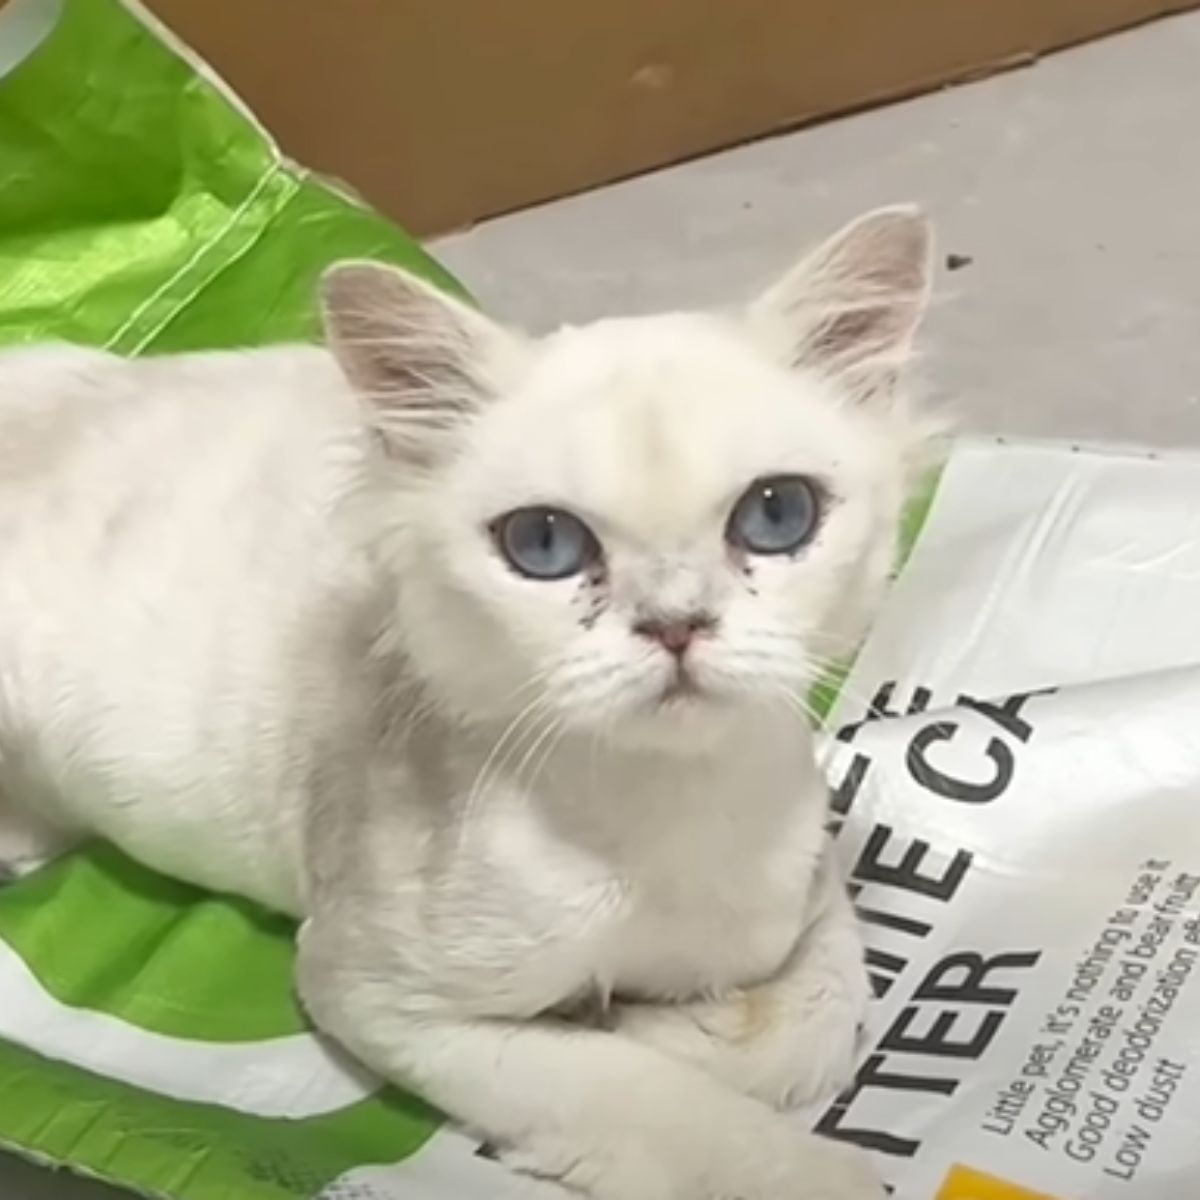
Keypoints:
pixel 485 656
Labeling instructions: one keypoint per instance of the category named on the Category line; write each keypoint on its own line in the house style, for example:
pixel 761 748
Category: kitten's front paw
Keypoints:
pixel 831 1171
pixel 761 1041
pixel 628 1172
pixel 772 1160
pixel 781 1160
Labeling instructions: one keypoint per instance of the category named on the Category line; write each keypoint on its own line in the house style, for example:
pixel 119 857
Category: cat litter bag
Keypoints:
pixel 1015 754
pixel 1015 760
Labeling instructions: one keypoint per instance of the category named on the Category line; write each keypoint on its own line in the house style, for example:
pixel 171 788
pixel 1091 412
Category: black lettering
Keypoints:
pixel 885 961
pixel 936 1041
pixel 872 1075
pixel 890 920
pixel 1007 713
pixel 973 969
pixel 880 984
pixel 882 969
pixel 950 786
pixel 881 709
pixel 906 874
pixel 846 792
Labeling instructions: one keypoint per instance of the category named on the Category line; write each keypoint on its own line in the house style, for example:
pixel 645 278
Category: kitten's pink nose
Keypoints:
pixel 675 634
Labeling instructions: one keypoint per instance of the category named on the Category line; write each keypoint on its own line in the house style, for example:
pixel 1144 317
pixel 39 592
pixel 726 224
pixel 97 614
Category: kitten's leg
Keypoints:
pixel 27 842
pixel 593 1110
pixel 789 1040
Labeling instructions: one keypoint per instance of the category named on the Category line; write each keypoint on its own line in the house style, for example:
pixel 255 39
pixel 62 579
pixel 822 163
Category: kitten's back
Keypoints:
pixel 167 540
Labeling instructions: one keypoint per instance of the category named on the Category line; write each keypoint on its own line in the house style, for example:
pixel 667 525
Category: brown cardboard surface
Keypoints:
pixel 441 112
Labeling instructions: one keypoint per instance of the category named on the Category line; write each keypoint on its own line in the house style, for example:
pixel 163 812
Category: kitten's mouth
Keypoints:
pixel 682 689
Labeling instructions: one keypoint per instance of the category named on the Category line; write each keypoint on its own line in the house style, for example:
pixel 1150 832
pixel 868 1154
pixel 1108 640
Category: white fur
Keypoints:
pixel 254 629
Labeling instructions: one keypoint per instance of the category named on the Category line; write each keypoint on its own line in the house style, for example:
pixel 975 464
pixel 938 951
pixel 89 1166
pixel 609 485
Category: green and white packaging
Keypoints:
pixel 1020 821
pixel 149 1033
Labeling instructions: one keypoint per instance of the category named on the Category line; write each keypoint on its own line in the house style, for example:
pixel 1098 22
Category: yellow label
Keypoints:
pixel 965 1184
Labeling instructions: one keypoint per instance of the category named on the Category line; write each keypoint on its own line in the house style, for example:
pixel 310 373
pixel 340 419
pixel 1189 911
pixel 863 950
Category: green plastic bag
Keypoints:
pixel 148 1033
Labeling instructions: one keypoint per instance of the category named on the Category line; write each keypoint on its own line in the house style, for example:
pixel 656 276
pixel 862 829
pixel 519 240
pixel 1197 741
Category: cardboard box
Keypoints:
pixel 441 112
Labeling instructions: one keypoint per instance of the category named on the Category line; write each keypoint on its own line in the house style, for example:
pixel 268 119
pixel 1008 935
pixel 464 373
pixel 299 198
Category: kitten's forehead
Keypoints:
pixel 651 419
pixel 662 361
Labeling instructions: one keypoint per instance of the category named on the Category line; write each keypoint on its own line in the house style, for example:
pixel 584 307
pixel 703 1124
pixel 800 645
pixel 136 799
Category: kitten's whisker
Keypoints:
pixel 486 772
pixel 552 727
pixel 602 730
pixel 557 735
pixel 844 690
pixel 797 703
pixel 537 679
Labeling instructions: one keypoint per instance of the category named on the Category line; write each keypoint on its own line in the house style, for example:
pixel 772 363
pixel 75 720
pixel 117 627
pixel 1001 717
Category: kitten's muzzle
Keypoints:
pixel 676 633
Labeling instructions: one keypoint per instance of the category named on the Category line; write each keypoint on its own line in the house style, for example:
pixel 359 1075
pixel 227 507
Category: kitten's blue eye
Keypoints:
pixel 545 543
pixel 777 515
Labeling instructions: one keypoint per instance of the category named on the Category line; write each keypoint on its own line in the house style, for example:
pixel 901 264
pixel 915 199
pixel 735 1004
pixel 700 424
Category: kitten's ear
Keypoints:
pixel 852 307
pixel 423 360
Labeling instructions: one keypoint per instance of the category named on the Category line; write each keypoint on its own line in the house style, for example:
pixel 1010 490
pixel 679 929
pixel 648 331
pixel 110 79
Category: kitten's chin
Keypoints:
pixel 686 729
pixel 688 719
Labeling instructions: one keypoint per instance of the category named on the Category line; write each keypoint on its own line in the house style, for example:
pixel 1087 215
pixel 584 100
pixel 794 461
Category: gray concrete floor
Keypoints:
pixel 1073 185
